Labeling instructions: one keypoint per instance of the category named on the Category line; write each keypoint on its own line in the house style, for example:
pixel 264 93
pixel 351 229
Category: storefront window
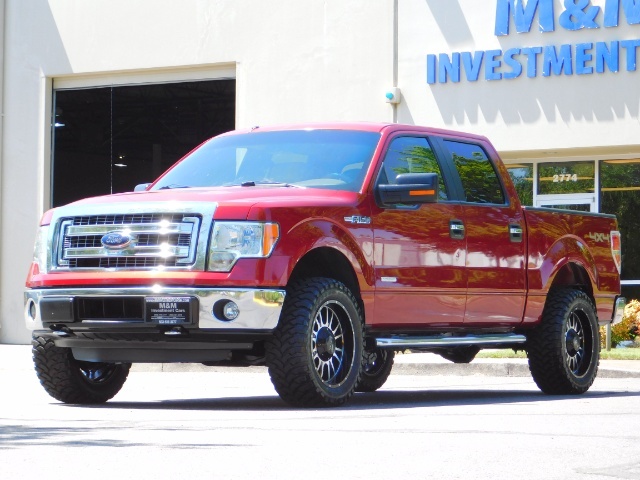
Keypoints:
pixel 566 177
pixel 116 137
pixel 522 177
pixel 620 195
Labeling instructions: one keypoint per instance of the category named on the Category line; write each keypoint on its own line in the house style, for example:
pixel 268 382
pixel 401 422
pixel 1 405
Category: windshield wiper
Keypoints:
pixel 274 184
pixel 173 185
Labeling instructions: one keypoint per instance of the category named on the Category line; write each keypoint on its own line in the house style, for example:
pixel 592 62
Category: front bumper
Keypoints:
pixel 123 308
pixel 113 324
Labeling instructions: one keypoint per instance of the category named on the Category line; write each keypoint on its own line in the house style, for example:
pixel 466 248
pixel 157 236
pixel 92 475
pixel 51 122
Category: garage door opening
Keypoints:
pixel 109 139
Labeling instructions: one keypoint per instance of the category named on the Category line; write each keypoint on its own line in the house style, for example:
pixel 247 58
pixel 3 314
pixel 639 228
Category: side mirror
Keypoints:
pixel 142 187
pixel 410 188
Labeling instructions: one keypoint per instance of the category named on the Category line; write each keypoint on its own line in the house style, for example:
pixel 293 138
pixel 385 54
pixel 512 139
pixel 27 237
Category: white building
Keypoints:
pixel 99 95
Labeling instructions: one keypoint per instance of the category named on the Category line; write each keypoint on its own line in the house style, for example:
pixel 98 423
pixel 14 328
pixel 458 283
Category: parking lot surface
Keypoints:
pixel 231 424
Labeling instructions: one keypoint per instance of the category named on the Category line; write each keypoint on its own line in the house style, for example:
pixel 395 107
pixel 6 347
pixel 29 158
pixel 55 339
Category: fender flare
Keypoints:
pixel 567 250
pixel 312 234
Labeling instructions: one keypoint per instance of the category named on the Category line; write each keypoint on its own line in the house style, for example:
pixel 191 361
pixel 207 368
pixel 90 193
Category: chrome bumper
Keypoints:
pixel 259 309
pixel 618 310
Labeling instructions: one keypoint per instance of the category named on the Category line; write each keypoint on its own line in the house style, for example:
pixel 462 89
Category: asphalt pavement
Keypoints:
pixel 18 358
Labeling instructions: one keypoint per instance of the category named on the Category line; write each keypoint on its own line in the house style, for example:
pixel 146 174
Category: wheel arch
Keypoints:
pixel 328 262
pixel 574 275
pixel 323 248
pixel 567 263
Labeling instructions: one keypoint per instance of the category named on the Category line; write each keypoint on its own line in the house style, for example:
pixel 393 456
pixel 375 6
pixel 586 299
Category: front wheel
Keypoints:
pixel 315 354
pixel 71 381
pixel 564 350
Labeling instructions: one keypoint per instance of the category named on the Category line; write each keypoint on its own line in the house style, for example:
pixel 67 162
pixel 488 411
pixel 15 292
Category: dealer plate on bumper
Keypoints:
pixel 168 310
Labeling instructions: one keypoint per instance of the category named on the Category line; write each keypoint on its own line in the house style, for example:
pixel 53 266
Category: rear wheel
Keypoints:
pixel 315 354
pixel 564 350
pixel 71 381
pixel 376 368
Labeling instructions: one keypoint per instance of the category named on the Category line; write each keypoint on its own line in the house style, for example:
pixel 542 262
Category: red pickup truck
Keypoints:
pixel 320 250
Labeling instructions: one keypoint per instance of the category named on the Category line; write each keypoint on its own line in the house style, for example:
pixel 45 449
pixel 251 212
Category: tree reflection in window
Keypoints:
pixel 479 178
pixel 411 155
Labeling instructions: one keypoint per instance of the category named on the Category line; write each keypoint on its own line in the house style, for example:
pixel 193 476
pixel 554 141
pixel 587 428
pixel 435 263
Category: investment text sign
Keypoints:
pixel 546 60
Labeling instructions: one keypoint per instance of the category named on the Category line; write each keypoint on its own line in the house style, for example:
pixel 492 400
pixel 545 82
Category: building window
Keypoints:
pixel 108 139
pixel 620 195
pixel 522 178
pixel 566 177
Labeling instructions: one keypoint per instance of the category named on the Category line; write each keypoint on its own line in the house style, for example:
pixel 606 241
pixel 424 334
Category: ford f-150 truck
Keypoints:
pixel 320 250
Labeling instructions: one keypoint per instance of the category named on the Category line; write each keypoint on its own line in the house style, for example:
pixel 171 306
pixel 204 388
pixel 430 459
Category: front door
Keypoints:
pixel 419 253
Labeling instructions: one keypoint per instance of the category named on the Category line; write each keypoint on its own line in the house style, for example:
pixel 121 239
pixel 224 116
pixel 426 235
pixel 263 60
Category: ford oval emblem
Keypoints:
pixel 115 240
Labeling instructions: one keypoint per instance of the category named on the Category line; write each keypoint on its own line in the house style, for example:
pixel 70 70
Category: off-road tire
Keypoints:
pixel 315 354
pixel 376 368
pixel 460 354
pixel 71 381
pixel 564 350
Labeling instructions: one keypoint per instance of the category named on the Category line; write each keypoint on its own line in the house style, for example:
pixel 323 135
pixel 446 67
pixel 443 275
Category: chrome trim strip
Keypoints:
pixel 448 341
pixel 136 251
pixel 259 308
pixel 80 230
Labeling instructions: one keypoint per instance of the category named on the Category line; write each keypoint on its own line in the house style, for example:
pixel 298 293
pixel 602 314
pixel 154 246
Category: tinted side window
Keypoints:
pixel 479 178
pixel 411 155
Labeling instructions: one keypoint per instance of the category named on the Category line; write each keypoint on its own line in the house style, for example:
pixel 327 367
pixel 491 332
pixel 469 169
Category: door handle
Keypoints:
pixel 515 233
pixel 456 229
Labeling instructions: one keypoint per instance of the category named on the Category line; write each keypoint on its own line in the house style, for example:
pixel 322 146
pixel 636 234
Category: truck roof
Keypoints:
pixel 361 126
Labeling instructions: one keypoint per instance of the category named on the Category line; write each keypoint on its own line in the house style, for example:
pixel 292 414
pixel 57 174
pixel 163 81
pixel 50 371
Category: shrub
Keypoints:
pixel 632 310
pixel 627 329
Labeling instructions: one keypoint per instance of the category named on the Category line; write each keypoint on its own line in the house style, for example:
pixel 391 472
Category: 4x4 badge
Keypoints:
pixel 358 219
pixel 598 237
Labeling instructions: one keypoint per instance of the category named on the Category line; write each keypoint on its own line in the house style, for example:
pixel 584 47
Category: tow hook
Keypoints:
pixel 62 330
pixel 175 331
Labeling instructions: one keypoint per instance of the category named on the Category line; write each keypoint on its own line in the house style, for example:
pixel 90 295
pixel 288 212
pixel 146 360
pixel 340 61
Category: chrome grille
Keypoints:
pixel 157 240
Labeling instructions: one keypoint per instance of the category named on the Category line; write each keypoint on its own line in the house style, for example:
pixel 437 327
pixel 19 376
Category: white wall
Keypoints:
pixel 295 60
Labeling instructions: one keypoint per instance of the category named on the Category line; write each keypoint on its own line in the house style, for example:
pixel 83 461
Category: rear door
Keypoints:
pixel 419 252
pixel 494 229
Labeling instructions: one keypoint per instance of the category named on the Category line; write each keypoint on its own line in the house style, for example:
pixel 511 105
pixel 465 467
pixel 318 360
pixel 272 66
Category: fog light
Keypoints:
pixel 225 310
pixel 231 311
pixel 32 310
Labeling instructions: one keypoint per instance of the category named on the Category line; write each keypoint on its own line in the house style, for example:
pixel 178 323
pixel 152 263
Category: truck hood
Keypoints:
pixel 232 202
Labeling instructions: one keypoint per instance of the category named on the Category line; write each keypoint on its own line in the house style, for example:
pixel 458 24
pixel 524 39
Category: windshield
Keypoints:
pixel 332 159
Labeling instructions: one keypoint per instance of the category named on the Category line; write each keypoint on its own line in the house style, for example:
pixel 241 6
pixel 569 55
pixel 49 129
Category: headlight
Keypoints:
pixel 231 241
pixel 40 249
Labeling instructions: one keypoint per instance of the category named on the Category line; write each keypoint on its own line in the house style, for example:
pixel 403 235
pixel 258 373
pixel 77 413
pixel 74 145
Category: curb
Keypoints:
pixel 17 358
pixel 502 369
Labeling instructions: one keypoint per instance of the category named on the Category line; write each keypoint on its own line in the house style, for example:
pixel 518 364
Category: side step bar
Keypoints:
pixel 505 339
